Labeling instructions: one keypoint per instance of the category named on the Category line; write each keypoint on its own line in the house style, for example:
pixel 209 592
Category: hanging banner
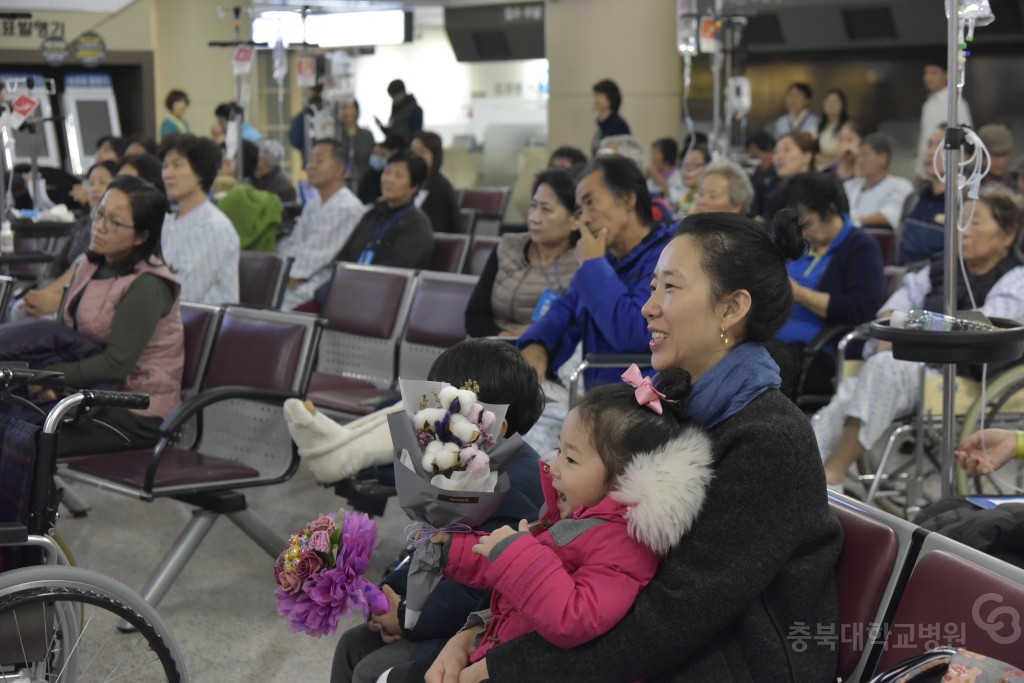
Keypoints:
pixel 89 48
pixel 710 41
pixel 305 72
pixel 340 81
pixel 54 50
pixel 241 62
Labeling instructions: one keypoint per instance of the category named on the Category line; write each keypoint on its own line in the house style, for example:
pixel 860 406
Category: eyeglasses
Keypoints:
pixel 109 223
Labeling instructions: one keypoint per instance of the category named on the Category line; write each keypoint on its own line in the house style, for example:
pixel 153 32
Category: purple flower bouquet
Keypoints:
pixel 320 573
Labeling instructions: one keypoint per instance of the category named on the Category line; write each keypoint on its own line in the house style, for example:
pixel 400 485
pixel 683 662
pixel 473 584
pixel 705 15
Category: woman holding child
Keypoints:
pixel 758 563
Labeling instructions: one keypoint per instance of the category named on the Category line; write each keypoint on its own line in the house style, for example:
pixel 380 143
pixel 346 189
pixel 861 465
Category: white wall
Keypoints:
pixel 458 98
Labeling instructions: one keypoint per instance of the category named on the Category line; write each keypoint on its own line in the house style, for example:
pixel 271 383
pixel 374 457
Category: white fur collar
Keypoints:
pixel 665 490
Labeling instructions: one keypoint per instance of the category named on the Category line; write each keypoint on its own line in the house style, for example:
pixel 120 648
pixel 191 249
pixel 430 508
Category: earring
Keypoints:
pixel 725 338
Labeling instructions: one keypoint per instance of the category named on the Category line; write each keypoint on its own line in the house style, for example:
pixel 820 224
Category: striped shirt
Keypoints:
pixel 319 234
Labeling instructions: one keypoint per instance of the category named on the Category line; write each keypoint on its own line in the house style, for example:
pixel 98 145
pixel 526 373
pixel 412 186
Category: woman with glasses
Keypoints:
pixel 124 298
pixel 45 300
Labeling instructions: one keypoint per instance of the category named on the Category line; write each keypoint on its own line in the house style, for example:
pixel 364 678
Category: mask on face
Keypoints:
pixel 378 162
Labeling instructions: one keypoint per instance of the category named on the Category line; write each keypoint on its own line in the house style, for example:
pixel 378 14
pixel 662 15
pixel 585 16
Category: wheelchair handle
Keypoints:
pixel 92 398
pixel 114 399
pixel 13 375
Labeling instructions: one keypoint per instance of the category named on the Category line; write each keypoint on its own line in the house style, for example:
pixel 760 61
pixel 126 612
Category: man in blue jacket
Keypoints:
pixel 619 247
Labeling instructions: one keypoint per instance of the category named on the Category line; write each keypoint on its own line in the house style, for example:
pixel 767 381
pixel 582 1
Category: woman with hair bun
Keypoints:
pixel 759 561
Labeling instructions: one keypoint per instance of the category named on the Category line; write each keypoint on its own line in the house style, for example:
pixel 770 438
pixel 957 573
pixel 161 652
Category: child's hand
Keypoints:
pixel 440 537
pixel 497 536
pixel 387 624
pixel 475 673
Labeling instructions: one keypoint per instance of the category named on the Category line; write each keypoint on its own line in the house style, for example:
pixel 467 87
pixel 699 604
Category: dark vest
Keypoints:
pixel 981 285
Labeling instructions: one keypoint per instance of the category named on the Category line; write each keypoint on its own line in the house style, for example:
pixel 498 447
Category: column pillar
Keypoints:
pixel 634 44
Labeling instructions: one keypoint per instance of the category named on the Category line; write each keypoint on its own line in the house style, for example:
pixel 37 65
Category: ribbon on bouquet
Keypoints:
pixel 418 533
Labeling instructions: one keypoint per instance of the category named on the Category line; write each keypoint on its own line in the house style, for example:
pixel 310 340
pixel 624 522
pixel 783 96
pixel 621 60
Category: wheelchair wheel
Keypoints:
pixel 1003 408
pixel 60 624
pixel 901 475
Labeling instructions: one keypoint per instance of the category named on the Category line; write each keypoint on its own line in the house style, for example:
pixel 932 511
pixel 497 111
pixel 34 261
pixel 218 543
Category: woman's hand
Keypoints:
pixel 515 331
pixel 798 291
pixel 80 193
pixel 475 673
pixel 537 357
pixel 440 537
pixel 39 302
pixel 492 539
pixel 986 451
pixel 387 625
pixel 454 658
pixel 38 393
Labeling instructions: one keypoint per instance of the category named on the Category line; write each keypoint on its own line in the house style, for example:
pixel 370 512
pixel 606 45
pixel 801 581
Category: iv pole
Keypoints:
pixel 240 113
pixel 953 144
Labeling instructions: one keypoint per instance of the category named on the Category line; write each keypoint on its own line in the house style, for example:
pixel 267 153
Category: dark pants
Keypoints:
pixel 361 656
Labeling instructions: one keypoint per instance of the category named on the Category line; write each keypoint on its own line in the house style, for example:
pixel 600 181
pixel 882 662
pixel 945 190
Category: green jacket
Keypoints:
pixel 256 216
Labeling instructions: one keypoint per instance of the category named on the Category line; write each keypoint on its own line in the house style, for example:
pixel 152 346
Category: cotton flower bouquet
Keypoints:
pixel 449 470
pixel 320 573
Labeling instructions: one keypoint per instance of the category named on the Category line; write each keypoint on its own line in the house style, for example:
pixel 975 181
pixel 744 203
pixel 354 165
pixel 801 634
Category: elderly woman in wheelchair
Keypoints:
pixel 887 389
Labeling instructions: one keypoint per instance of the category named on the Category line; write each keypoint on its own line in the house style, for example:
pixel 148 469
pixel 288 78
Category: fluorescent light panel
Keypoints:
pixel 340 29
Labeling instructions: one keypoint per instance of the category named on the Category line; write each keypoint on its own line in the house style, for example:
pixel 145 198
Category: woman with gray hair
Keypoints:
pixel 269 176
pixel 724 187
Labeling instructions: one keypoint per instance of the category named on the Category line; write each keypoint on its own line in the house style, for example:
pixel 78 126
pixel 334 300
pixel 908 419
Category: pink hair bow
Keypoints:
pixel 646 394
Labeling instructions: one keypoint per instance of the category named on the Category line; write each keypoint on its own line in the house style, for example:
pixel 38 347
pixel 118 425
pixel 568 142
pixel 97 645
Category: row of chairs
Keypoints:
pixel 904 590
pixel 263 276
pixel 383 323
pixel 241 364
pixel 488 205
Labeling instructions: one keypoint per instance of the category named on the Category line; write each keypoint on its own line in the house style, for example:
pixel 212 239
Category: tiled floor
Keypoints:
pixel 222 609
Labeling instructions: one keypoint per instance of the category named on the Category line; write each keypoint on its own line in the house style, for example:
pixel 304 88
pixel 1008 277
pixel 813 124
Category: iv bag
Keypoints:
pixel 686 26
pixel 280 60
pixel 979 12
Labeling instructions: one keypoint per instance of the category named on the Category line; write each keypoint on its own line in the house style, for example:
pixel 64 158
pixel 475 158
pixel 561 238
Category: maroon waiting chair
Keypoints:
pixel 449 252
pixel 479 252
pixel 961 597
pixel 258 359
pixel 886 239
pixel 437 320
pixel 467 222
pixel 262 278
pixel 490 204
pixel 365 309
pixel 876 546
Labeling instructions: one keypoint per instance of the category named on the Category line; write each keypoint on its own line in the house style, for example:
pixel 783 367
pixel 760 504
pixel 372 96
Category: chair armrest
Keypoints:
pixel 826 337
pixel 191 407
pixel 196 403
pixel 603 360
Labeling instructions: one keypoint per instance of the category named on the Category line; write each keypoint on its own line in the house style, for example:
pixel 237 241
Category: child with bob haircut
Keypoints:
pixel 504 377
pixel 628 482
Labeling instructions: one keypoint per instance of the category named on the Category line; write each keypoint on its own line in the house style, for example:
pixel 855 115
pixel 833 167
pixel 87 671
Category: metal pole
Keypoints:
pixel 952 149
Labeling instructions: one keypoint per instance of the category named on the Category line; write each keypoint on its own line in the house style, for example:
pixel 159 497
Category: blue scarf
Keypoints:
pixel 745 373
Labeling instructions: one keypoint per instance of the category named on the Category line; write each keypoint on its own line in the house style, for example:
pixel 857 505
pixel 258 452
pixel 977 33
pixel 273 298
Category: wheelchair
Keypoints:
pixel 60 622
pixel 901 472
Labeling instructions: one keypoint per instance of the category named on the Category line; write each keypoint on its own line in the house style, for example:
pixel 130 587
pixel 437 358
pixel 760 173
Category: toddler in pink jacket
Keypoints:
pixel 628 482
